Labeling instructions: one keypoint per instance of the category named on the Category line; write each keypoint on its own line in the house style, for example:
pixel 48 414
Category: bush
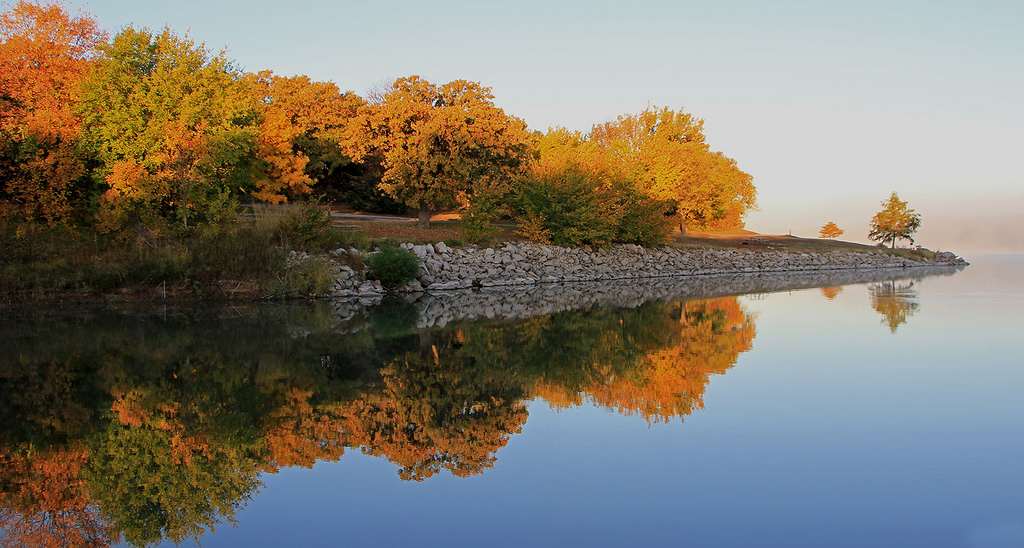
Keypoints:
pixel 642 220
pixel 393 266
pixel 307 227
pixel 311 277
pixel 484 210
pixel 567 208
pixel 571 209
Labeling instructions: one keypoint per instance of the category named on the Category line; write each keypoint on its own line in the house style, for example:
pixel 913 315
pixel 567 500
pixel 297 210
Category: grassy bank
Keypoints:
pixel 248 259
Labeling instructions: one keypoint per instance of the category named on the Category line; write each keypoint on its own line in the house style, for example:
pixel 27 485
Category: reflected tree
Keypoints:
pixel 831 293
pixel 895 301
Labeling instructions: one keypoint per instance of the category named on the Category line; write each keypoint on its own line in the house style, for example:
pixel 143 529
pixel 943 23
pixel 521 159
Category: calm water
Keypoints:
pixel 884 412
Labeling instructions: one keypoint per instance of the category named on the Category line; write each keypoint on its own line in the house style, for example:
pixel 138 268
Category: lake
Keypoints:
pixel 827 409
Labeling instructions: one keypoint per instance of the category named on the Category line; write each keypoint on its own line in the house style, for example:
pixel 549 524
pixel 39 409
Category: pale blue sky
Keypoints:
pixel 829 105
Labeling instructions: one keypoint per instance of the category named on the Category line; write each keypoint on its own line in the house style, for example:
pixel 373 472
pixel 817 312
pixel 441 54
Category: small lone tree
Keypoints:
pixel 830 230
pixel 896 221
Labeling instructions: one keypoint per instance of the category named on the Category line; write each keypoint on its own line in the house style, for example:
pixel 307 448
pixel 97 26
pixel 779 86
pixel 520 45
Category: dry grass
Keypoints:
pixel 411 232
pixel 751 240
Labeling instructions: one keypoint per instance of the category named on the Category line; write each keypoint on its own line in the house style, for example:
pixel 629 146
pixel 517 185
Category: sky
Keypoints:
pixel 829 105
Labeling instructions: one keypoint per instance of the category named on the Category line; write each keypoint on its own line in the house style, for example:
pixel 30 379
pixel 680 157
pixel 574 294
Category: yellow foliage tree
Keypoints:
pixel 439 143
pixel 830 230
pixel 664 153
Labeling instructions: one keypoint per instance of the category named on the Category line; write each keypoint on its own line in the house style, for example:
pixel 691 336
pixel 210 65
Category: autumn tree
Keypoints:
pixel 896 221
pixel 664 152
pixel 176 134
pixel 830 230
pixel 45 53
pixel 303 124
pixel 439 143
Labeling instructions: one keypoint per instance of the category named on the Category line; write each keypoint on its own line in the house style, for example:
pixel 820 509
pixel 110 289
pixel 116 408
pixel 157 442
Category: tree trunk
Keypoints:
pixel 894 242
pixel 682 229
pixel 424 220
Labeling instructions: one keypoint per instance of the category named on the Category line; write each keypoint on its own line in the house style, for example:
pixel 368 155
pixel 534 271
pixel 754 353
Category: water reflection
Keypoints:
pixel 831 292
pixel 896 301
pixel 147 430
pixel 141 428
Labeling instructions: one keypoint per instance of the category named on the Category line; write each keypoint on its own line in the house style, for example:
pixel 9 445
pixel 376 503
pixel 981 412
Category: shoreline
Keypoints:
pixel 511 265
pixel 526 264
pixel 436 309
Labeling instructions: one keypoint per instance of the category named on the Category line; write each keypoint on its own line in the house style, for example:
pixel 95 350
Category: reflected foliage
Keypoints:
pixel 831 293
pixel 138 429
pixel 896 301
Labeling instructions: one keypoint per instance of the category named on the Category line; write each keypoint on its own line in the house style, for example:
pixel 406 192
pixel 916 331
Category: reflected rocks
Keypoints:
pixel 517 302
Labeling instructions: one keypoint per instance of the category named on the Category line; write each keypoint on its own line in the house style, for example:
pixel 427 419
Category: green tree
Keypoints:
pixel 175 132
pixel 896 221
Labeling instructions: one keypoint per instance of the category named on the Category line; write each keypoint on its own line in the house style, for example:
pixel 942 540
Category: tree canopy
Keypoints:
pixel 830 230
pixel 663 152
pixel 896 221
pixel 151 129
pixel 440 143
pixel 45 54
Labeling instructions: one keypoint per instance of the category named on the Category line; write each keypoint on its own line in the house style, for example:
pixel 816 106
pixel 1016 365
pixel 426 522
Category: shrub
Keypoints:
pixel 569 208
pixel 483 211
pixel 311 277
pixel 393 266
pixel 532 228
pixel 642 220
pixel 307 227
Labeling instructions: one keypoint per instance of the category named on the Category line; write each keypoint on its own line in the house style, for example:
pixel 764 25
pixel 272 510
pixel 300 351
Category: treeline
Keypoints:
pixel 151 130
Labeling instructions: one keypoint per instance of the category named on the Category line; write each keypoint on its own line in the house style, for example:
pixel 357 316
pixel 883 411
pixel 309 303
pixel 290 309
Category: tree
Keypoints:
pixel 302 126
pixel 896 221
pixel 439 143
pixel 44 55
pixel 664 154
pixel 174 131
pixel 830 230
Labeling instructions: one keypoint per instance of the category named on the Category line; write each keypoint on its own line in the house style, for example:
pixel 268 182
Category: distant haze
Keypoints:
pixel 829 107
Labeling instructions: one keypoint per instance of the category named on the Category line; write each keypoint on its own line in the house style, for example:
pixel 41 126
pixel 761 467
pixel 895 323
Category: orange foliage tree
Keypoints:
pixel 830 230
pixel 298 118
pixel 45 54
pixel 439 143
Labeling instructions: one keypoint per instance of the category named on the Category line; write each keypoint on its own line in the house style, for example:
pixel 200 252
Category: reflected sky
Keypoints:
pixel 806 420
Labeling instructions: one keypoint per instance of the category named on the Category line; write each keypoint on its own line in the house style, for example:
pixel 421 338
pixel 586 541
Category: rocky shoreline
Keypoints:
pixel 444 268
